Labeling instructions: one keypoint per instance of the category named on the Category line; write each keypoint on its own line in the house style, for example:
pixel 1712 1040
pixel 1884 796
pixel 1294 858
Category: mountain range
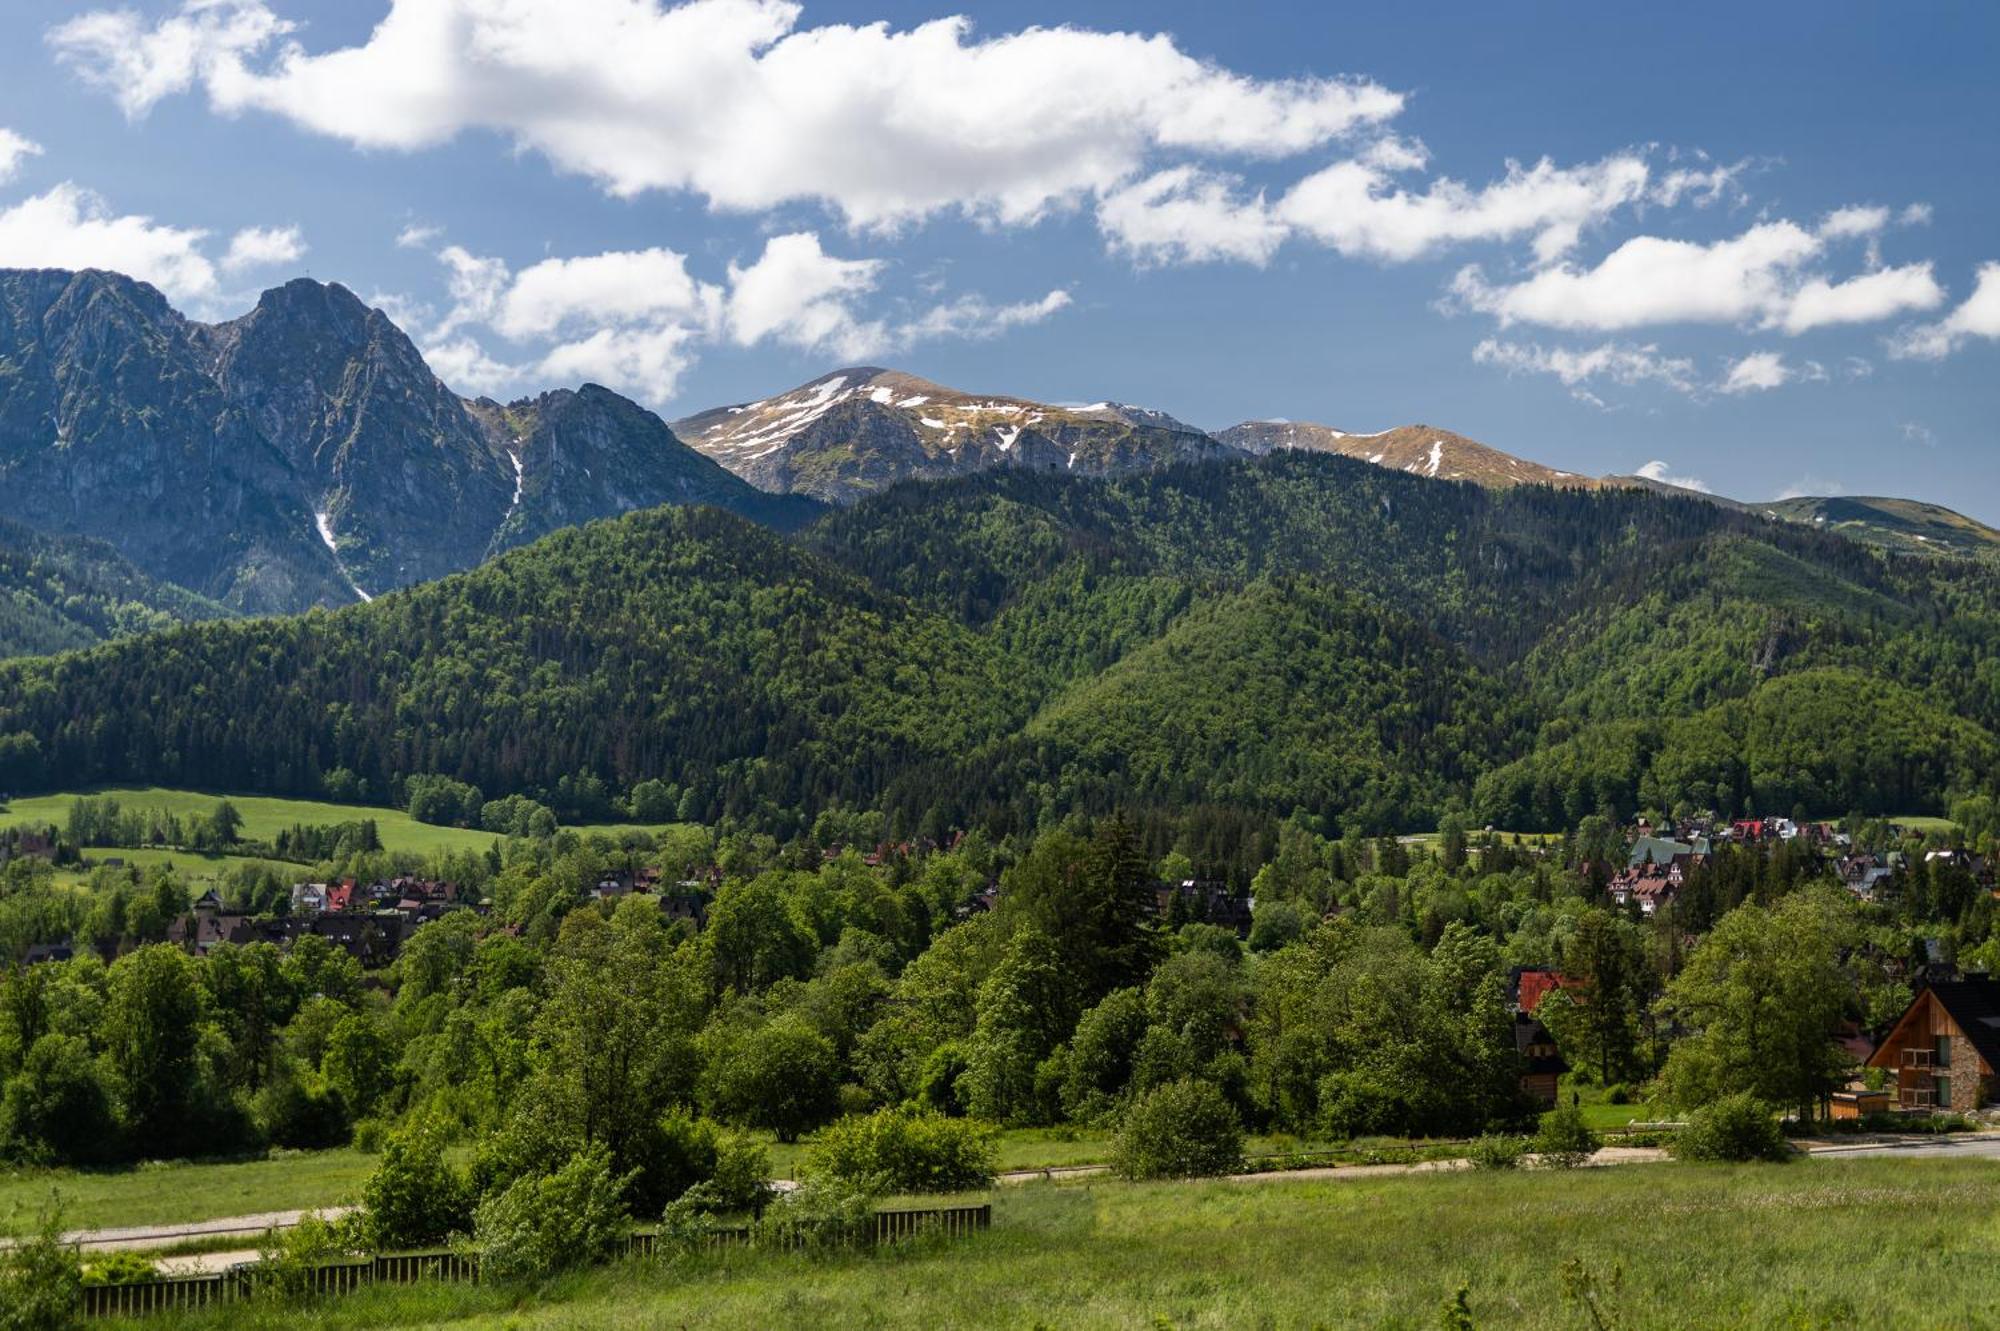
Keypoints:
pixel 305 455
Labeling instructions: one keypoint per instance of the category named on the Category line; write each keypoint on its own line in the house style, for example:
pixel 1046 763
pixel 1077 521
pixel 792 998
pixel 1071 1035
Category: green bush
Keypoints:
pixel 896 1151
pixel 290 1256
pixel 1620 1094
pixel 120 1268
pixel 821 1214
pixel 414 1199
pixel 40 1277
pixel 1734 1128
pixel 1184 1129
pixel 546 1223
pixel 1564 1140
pixel 1496 1150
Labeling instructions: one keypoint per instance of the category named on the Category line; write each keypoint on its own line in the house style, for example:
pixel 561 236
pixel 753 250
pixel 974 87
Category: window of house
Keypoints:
pixel 1941 1090
pixel 1944 1051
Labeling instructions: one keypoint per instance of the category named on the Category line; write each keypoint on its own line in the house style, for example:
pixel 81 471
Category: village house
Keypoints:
pixel 1943 1050
pixel 1651 887
pixel 1207 901
pixel 1542 1064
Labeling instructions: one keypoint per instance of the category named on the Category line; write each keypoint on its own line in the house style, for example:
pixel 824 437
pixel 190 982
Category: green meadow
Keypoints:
pixel 264 816
pixel 1814 1244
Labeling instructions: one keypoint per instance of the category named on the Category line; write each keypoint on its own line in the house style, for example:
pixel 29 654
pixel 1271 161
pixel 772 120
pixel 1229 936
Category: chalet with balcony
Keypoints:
pixel 1943 1050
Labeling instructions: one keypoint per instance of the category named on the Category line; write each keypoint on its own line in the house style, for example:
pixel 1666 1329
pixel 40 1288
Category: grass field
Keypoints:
pixel 264 816
pixel 164 1193
pixel 1815 1244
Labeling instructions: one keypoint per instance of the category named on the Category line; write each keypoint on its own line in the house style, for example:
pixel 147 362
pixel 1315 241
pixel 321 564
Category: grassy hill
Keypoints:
pixel 1906 525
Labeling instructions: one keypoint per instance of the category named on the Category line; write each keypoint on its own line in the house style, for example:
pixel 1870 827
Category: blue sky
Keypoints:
pixel 1741 242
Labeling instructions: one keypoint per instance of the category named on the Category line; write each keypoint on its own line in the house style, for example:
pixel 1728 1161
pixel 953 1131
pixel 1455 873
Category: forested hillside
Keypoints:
pixel 1292 632
pixel 60 592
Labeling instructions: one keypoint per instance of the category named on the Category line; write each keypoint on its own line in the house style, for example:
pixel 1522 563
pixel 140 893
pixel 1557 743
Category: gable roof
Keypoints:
pixel 1974 1007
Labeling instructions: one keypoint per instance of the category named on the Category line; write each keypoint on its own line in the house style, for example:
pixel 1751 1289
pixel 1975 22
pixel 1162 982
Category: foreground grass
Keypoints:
pixel 160 1194
pixel 265 816
pixel 1811 1244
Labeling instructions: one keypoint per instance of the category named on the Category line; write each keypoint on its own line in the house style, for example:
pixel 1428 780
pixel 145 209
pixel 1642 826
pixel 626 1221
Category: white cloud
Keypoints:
pixel 1756 372
pixel 973 316
pixel 1978 316
pixel 1757 279
pixel 1872 296
pixel 799 294
pixel 417 235
pixel 636 320
pixel 732 100
pixel 1611 362
pixel 1355 207
pixel 1660 472
pixel 1812 487
pixel 1188 215
pixel 644 362
pixel 476 284
pixel 264 247
pixel 1700 187
pixel 70 227
pixel 1917 214
pixel 619 287
pixel 1845 223
pixel 14 150
pixel 1916 432
pixel 466 368
pixel 116 51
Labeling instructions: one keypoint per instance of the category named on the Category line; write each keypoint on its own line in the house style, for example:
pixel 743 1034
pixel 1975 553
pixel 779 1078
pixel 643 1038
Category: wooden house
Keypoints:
pixel 1943 1050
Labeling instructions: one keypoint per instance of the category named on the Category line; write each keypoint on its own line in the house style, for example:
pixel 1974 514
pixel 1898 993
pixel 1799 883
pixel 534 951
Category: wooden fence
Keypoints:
pixel 167 1293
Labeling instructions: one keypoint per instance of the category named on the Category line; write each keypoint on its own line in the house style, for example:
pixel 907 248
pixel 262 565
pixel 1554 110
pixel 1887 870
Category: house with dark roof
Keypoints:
pixel 1945 1047
pixel 1542 1064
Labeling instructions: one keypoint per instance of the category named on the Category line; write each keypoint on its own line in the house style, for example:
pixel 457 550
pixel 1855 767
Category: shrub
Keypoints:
pixel 414 1199
pixel 1564 1140
pixel 1735 1128
pixel 39 1277
pixel 1497 1150
pixel 820 1214
pixel 897 1151
pixel 1183 1129
pixel 546 1223
pixel 1620 1094
pixel 120 1268
pixel 290 1256
pixel 296 1109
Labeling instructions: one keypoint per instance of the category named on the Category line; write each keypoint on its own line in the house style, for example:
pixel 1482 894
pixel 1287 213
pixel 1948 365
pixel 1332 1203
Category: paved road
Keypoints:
pixel 1977 1145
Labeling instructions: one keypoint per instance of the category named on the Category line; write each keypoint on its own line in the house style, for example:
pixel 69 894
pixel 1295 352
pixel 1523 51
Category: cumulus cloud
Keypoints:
pixel 1356 207
pixel 735 101
pixel 1659 471
pixel 636 320
pixel 264 247
pixel 621 287
pixel 1843 223
pixel 138 64
pixel 417 235
pixel 1758 279
pixel 1977 317
pixel 14 149
pixel 1611 362
pixel 1756 372
pixel 799 294
pixel 70 227
pixel 1187 215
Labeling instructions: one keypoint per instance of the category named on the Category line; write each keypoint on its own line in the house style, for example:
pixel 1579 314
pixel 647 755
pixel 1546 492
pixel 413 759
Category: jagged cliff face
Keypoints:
pixel 405 479
pixel 857 431
pixel 588 453
pixel 111 427
pixel 303 454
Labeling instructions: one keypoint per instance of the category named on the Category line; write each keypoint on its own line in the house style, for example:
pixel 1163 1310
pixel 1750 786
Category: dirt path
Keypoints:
pixel 139 1238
